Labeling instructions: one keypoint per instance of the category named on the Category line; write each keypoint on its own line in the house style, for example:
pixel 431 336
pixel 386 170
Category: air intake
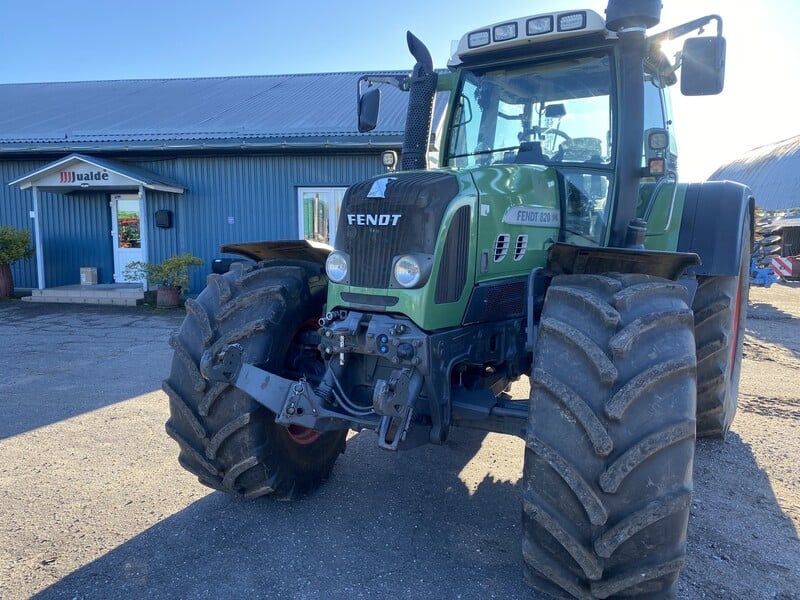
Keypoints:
pixel 521 247
pixel 501 247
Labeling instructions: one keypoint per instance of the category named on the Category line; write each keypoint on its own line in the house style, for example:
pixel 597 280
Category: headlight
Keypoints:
pixel 336 266
pixel 407 271
pixel 540 25
pixel 505 32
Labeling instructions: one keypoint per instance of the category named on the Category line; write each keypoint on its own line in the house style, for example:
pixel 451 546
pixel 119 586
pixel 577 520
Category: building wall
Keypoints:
pixel 75 233
pixel 15 207
pixel 228 199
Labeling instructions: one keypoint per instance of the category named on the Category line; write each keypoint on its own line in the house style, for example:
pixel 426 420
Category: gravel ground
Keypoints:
pixel 94 505
pixel 743 532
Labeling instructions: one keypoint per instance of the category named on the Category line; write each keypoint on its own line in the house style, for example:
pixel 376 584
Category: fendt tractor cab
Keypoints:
pixel 553 241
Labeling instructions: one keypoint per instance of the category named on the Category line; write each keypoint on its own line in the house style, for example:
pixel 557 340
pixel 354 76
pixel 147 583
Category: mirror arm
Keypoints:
pixel 401 82
pixel 681 30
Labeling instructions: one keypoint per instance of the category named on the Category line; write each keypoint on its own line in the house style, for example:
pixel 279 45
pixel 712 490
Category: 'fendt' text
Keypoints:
pixel 381 220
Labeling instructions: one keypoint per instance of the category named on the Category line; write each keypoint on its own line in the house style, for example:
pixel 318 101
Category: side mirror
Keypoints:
pixel 703 66
pixel 368 106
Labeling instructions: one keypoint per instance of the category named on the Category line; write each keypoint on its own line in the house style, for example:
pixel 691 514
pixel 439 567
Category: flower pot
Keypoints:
pixel 168 297
pixel 6 281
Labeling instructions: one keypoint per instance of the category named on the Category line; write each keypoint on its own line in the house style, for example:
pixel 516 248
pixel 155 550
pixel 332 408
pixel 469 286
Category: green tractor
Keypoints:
pixel 553 241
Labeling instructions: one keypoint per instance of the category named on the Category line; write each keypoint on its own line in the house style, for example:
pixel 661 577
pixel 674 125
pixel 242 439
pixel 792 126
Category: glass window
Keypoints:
pixel 653 113
pixel 551 113
pixel 653 107
pixel 586 207
pixel 129 233
pixel 319 213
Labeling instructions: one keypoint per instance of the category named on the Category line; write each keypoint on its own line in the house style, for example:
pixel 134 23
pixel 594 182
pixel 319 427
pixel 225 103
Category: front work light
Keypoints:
pixel 656 167
pixel 389 159
pixel 658 139
pixel 478 38
pixel 336 266
pixel 572 21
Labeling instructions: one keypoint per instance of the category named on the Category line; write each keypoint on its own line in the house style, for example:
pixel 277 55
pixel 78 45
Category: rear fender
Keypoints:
pixel 714 215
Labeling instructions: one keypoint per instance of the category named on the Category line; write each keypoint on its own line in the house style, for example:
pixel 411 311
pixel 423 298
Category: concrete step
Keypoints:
pixel 120 295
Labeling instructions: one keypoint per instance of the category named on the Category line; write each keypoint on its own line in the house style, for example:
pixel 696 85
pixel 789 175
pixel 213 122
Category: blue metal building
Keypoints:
pixel 106 172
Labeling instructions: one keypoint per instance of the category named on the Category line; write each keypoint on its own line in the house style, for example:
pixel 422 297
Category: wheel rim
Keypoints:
pixel 737 307
pixel 299 434
pixel 302 435
pixel 742 281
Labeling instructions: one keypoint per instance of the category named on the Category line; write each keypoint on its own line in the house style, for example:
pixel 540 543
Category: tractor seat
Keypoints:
pixel 530 153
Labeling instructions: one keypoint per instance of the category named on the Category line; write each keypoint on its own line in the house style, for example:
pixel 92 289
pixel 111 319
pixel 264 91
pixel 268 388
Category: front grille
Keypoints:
pixel 371 300
pixel 455 257
pixel 497 301
pixel 407 219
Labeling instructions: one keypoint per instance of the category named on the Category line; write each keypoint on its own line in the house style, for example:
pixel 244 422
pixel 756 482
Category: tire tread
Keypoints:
pixel 225 438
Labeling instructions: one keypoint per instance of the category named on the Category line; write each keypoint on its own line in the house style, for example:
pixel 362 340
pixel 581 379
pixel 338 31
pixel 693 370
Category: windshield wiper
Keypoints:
pixel 482 152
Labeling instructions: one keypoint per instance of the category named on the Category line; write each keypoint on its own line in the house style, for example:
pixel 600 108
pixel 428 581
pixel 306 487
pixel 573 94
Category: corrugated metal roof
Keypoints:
pixel 318 109
pixel 771 171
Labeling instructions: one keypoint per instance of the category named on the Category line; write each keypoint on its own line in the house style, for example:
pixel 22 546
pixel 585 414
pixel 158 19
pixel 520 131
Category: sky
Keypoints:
pixel 80 40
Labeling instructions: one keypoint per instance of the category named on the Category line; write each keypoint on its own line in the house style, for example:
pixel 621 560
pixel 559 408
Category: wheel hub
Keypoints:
pixel 302 435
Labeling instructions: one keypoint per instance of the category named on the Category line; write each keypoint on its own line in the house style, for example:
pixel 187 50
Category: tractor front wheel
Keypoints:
pixel 227 439
pixel 607 479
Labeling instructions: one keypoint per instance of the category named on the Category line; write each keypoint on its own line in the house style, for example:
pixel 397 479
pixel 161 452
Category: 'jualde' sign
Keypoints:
pixel 82 176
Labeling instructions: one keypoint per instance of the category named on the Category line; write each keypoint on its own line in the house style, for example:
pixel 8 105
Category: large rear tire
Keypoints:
pixel 607 479
pixel 720 309
pixel 227 439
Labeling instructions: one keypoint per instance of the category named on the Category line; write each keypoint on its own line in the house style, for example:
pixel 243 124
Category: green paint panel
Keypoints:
pixel 519 216
pixel 515 214
pixel 664 224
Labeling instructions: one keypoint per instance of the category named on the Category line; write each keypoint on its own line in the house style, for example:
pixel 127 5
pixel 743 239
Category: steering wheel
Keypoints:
pixel 555 133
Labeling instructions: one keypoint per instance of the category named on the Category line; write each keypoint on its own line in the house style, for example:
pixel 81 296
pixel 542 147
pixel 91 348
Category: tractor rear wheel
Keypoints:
pixel 720 311
pixel 227 439
pixel 607 479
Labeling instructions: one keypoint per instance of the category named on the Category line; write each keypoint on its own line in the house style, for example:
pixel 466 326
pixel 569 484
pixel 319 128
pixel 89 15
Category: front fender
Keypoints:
pixel 715 213
pixel 292 250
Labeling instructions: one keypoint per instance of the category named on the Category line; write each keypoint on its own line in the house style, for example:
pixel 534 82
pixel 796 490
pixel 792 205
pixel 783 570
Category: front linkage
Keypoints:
pixel 410 379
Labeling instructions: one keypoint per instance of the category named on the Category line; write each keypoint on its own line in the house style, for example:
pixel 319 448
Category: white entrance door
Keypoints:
pixel 127 232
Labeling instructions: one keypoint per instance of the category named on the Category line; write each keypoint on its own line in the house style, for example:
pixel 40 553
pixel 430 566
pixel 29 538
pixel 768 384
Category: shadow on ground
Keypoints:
pixel 405 526
pixel 734 512
pixel 385 526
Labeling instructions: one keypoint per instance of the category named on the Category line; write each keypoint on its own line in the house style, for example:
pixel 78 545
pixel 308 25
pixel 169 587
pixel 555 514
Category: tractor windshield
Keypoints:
pixel 551 113
pixel 555 113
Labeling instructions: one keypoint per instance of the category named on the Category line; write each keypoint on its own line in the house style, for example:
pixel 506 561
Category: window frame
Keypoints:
pixel 333 206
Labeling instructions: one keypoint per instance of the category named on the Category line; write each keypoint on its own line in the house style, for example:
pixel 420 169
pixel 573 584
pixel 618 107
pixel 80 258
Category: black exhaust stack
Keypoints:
pixel 630 19
pixel 420 107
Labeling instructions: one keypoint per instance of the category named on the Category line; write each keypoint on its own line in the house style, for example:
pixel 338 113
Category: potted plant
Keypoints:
pixel 15 244
pixel 170 276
